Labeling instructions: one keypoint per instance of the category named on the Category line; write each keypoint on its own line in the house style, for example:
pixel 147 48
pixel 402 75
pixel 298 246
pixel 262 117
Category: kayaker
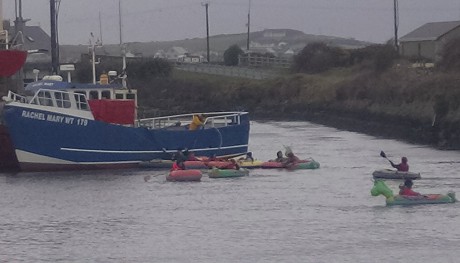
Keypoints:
pixel 232 165
pixel 291 159
pixel 279 157
pixel 403 166
pixel 178 165
pixel 247 158
pixel 197 121
pixel 214 158
pixel 406 189
pixel 191 156
pixel 179 155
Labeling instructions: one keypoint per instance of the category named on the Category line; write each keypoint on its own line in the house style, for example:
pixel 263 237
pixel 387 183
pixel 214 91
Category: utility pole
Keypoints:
pixel 54 47
pixel 396 18
pixel 206 5
pixel 249 24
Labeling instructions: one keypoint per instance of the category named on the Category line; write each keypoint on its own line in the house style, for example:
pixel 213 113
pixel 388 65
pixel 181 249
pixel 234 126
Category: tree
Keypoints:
pixel 231 55
pixel 318 57
pixel 450 56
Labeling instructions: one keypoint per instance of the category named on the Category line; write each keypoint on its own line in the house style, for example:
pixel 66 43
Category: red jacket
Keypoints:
pixel 408 191
pixel 176 167
pixel 402 167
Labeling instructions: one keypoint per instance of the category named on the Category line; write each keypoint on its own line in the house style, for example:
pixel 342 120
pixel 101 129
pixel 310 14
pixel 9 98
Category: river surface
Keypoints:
pixel 323 215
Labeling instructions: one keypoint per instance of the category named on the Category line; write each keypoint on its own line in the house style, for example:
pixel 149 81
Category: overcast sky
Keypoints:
pixel 157 20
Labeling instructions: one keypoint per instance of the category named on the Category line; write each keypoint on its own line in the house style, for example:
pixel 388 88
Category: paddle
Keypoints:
pixel 382 153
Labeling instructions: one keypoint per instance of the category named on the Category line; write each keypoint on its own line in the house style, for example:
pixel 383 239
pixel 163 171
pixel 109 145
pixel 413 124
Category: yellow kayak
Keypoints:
pixel 250 165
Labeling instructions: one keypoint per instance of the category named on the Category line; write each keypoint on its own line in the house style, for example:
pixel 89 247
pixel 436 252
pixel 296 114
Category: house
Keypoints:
pixel 427 41
pixel 38 43
pixel 174 53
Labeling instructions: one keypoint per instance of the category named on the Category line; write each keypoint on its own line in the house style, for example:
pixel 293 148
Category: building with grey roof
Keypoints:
pixel 427 41
pixel 38 43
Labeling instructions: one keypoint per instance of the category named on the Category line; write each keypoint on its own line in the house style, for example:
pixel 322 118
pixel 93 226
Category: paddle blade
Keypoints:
pixel 383 154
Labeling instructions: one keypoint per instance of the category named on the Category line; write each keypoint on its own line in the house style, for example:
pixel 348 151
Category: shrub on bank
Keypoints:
pixel 450 57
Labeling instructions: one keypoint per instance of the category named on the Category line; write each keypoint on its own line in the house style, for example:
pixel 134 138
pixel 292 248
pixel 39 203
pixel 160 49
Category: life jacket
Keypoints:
pixel 402 167
pixel 196 122
pixel 176 167
pixel 408 191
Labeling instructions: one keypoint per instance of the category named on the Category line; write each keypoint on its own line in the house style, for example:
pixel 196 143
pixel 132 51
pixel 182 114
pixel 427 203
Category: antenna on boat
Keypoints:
pixel 93 45
pixel 100 26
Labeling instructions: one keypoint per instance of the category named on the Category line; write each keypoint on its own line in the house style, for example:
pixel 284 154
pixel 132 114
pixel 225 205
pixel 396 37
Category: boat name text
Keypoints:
pixel 53 118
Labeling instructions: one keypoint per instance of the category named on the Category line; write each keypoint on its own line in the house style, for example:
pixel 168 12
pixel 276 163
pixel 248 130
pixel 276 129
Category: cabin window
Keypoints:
pixel 62 100
pixel 44 98
pixel 105 94
pixel 93 95
pixel 80 99
pixel 131 96
pixel 119 96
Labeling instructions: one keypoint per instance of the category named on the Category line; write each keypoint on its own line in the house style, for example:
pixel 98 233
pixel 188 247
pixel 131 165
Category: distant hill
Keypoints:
pixel 277 39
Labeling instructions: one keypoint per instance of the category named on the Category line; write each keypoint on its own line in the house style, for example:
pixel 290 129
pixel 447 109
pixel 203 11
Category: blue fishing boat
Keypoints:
pixel 68 126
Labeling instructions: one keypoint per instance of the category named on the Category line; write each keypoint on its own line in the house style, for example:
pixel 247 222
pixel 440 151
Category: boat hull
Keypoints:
pixel 46 140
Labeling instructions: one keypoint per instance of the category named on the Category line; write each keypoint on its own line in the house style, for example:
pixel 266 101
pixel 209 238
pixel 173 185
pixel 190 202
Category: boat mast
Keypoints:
pixel 3 33
pixel 1 16
pixel 123 47
pixel 54 47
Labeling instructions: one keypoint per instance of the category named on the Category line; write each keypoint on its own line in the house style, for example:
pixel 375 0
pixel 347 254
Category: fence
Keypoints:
pixel 251 73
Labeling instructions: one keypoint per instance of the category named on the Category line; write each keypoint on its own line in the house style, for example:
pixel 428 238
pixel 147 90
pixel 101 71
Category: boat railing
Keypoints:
pixel 213 119
pixel 15 97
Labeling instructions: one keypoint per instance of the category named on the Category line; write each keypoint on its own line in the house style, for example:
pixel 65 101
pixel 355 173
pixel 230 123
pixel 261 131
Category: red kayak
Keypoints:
pixel 184 176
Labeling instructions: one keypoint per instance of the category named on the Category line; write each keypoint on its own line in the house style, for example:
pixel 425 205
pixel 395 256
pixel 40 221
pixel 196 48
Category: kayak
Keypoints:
pixel 227 173
pixel 311 164
pixel 184 176
pixel 380 188
pixel 156 164
pixel 218 164
pixel 193 165
pixel 392 174
pixel 250 165
pixel 422 199
pixel 303 164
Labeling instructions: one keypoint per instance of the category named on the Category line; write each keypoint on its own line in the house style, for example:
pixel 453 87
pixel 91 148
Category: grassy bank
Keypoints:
pixel 414 105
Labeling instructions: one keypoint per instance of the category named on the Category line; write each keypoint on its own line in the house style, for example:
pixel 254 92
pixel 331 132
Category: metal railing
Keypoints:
pixel 213 119
pixel 15 97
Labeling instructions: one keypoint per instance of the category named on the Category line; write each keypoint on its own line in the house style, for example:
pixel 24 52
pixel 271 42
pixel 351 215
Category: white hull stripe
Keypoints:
pixel 131 152
pixel 27 157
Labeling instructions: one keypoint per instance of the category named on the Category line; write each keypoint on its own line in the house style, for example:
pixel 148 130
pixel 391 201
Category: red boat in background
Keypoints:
pixel 11 61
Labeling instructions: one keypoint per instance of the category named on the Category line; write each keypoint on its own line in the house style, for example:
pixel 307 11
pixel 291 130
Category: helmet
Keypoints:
pixel 408 183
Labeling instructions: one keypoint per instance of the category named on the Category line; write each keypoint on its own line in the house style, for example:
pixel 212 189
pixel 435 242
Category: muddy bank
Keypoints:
pixel 379 126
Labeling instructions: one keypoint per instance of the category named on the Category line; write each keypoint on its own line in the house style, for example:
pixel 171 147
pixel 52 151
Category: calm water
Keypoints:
pixel 324 215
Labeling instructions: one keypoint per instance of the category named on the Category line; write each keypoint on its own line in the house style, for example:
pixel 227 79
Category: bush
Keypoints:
pixel 381 57
pixel 231 55
pixel 450 56
pixel 318 57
